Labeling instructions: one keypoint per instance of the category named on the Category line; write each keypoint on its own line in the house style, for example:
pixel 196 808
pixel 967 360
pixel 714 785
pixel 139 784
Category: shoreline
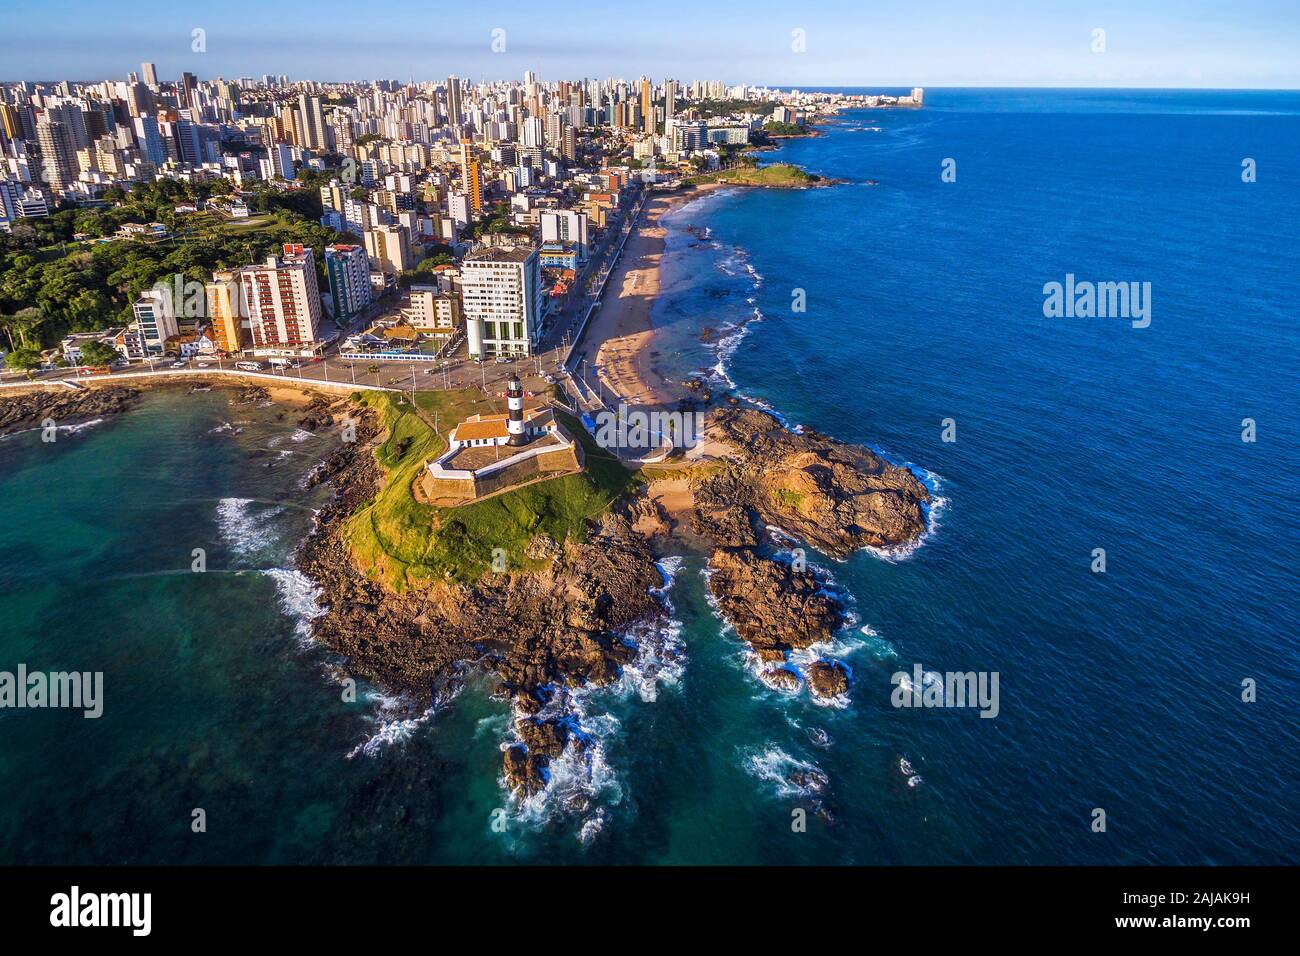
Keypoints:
pixel 24 407
pixel 618 343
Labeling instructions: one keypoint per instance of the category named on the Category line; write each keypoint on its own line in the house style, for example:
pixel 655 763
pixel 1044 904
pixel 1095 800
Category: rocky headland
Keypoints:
pixel 561 622
pixel 557 624
pixel 807 488
pixel 64 406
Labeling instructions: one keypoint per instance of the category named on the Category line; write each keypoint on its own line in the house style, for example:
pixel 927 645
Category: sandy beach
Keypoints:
pixel 618 341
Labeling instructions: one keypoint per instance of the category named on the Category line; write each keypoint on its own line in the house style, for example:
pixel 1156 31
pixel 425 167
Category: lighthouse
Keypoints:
pixel 515 403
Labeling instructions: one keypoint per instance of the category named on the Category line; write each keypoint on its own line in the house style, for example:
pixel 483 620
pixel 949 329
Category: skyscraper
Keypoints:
pixel 58 156
pixel 149 74
pixel 647 106
pixel 283 299
pixel 454 115
pixel 471 180
pixel 312 122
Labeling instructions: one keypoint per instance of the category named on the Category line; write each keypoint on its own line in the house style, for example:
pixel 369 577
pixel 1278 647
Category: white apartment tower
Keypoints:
pixel 283 300
pixel 502 293
pixel 566 225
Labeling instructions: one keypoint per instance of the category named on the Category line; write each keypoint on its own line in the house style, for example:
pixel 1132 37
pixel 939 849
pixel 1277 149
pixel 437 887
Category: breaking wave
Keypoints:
pixel 246 529
pixel 581 783
pixel 299 599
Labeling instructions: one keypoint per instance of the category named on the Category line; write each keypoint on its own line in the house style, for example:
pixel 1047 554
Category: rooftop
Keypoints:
pixel 500 254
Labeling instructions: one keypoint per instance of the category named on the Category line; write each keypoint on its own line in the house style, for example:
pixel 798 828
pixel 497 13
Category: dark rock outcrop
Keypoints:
pixel 316 415
pixel 837 497
pixel 828 679
pixel 772 606
pixel 64 406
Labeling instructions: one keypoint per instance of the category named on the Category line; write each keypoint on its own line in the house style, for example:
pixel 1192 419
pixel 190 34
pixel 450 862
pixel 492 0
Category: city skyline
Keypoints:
pixel 896 46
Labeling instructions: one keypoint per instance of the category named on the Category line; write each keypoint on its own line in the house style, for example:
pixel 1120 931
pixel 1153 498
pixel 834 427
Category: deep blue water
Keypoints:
pixel 1119 691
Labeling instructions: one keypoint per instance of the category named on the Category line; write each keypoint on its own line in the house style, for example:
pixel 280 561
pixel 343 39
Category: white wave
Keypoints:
pixel 299 599
pixel 580 782
pixel 592 826
pixel 247 531
pixel 397 717
pixel 790 776
pixel 879 648
pixel 67 429
pixel 300 435
pixel 82 426
pixel 907 770
pixel 661 654
pixel 305 480
pixel 225 428
pixel 793 427
pixel 725 346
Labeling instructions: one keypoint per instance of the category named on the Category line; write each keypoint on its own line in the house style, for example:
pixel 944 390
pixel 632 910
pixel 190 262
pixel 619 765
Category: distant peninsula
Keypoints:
pixel 774 176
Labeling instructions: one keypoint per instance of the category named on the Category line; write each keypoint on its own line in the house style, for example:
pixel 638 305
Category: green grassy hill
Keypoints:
pixel 781 175
pixel 404 543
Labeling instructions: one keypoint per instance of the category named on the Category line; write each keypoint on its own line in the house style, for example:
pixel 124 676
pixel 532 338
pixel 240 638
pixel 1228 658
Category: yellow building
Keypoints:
pixel 222 295
pixel 471 177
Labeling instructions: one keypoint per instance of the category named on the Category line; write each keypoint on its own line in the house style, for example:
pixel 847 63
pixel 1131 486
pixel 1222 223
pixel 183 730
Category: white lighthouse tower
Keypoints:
pixel 515 403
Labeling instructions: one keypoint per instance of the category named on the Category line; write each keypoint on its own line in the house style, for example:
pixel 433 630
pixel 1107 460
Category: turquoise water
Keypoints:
pixel 1118 691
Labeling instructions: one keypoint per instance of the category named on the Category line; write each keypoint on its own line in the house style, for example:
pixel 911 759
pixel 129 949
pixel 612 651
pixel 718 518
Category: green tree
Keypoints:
pixel 25 324
pixel 97 353
pixel 23 360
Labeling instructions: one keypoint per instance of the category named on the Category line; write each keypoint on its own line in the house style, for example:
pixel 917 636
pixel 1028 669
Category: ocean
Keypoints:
pixel 1120 691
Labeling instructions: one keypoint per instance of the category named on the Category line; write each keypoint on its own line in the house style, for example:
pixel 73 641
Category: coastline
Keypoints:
pixel 619 341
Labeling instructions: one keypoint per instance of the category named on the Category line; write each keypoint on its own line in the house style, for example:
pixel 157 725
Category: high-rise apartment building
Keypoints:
pixel 389 248
pixel 647 106
pixel 225 311
pixel 502 293
pixel 454 115
pixel 471 177
pixel 283 300
pixel 58 154
pixel 347 269
pixel 311 121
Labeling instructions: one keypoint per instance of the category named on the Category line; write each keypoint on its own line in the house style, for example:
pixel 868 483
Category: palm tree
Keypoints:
pixel 24 322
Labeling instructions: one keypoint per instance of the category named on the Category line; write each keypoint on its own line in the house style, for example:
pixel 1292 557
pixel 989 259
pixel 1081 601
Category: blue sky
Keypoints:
pixel 1149 43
